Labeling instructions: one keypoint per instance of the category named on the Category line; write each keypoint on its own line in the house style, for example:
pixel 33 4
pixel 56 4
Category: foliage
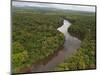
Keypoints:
pixel 35 37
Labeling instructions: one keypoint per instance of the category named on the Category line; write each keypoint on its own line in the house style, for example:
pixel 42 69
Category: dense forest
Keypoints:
pixel 35 37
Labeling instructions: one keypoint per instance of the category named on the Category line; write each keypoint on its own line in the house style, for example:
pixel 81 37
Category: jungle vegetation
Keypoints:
pixel 35 37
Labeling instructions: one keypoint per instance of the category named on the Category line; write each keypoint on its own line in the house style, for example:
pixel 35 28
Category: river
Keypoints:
pixel 71 44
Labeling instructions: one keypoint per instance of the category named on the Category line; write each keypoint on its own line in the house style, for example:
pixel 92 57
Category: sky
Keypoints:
pixel 58 6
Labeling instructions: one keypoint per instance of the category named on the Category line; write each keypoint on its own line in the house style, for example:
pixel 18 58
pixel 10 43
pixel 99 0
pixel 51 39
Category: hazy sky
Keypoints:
pixel 59 6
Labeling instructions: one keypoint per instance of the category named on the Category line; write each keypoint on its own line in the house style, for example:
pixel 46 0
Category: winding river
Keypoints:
pixel 71 44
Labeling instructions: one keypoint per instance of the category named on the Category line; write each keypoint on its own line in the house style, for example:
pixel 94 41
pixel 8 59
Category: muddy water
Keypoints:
pixel 70 45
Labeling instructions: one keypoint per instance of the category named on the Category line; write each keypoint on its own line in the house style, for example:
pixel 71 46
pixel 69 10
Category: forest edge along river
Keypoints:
pixel 71 44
